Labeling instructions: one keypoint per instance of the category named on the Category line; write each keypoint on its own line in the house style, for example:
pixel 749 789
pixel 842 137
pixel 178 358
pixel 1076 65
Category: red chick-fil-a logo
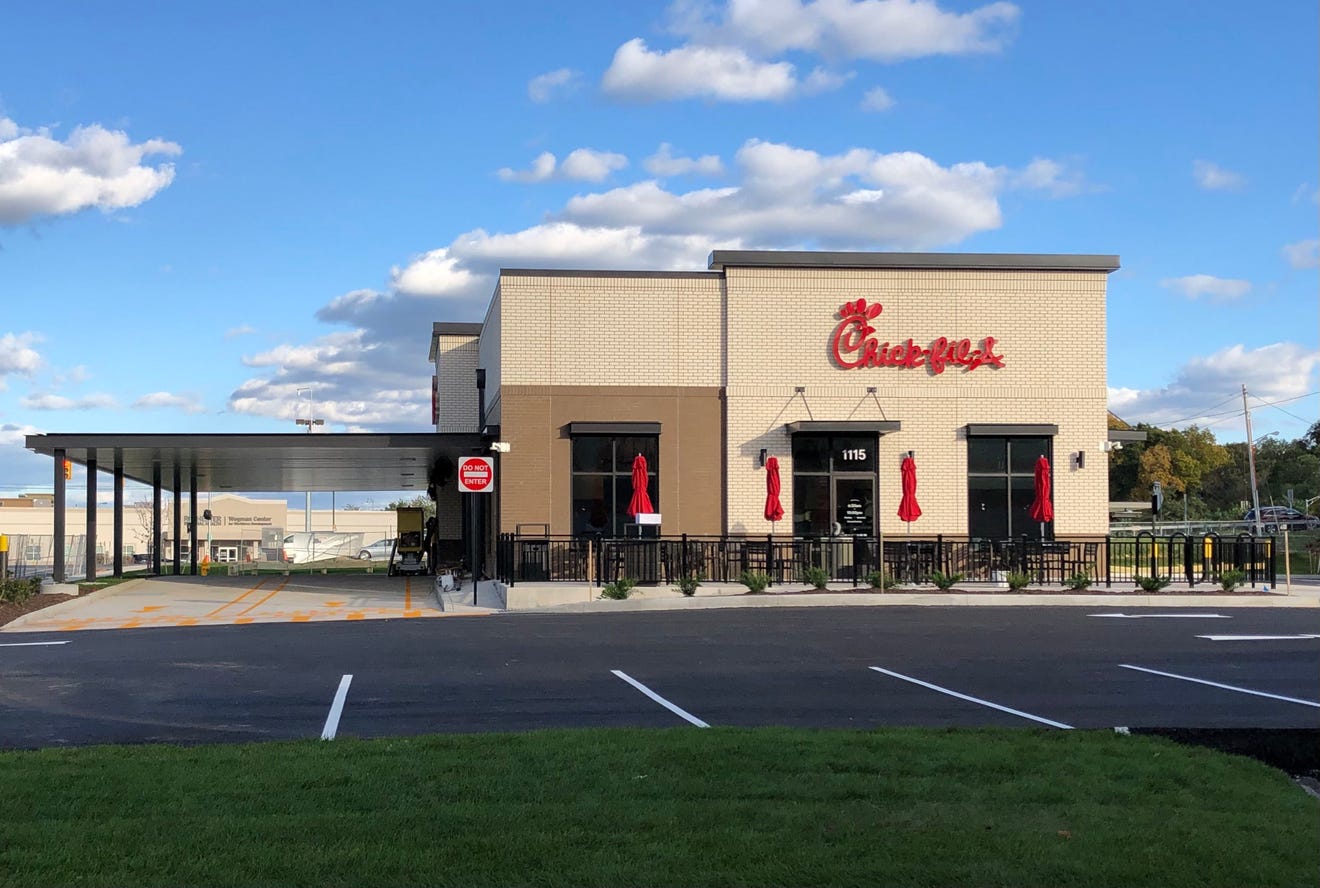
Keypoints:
pixel 854 346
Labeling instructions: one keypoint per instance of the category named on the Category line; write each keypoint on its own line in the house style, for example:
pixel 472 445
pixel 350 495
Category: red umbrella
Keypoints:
pixel 774 509
pixel 641 499
pixel 908 509
pixel 1042 509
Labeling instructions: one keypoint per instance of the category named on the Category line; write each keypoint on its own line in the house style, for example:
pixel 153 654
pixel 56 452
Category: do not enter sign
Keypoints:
pixel 476 474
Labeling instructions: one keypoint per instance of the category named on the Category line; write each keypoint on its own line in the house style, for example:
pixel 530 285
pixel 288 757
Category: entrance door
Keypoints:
pixel 854 505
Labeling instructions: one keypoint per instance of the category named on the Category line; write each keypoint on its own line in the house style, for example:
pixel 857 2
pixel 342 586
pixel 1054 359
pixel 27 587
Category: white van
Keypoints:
pixel 303 547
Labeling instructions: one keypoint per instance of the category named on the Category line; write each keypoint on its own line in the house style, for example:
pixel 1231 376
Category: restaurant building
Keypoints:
pixel 838 365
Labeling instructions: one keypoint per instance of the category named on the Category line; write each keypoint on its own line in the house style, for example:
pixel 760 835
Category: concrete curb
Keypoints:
pixel 919 599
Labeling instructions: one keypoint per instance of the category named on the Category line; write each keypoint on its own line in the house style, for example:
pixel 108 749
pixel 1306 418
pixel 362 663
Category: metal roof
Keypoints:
pixel 272 463
pixel 720 259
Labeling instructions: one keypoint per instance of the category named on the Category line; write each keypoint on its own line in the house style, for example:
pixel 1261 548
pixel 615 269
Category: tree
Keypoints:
pixel 417 502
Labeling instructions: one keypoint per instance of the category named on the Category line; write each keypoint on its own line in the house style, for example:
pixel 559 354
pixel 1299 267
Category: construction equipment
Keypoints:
pixel 410 546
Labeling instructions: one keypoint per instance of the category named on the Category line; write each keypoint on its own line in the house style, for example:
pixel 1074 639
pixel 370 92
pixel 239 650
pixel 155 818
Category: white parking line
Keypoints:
pixel 677 710
pixel 24 644
pixel 934 687
pixel 1257 637
pixel 336 709
pixel 1215 684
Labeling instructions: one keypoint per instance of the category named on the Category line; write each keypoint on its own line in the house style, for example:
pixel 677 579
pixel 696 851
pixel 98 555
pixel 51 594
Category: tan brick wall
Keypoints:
pixel 489 354
pixel 603 329
pixel 1049 327
pixel 456 365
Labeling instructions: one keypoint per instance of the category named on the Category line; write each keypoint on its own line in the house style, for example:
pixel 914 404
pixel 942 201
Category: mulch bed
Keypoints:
pixel 10 611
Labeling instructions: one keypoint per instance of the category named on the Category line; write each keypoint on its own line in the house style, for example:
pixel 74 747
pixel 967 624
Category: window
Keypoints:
pixel 1001 485
pixel 602 480
pixel 834 484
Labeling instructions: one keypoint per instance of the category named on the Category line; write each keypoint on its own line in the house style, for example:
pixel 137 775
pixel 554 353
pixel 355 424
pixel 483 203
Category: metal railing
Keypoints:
pixel 1110 560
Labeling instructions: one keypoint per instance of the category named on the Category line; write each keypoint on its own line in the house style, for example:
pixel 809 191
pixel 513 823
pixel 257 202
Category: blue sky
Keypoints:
pixel 206 208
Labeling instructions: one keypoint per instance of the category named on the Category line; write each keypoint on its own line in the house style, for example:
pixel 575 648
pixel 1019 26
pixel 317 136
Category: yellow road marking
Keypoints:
pixel 271 595
pixel 333 603
pixel 407 593
pixel 151 607
pixel 356 615
pixel 412 613
pixel 301 618
pixel 238 599
pixel 242 620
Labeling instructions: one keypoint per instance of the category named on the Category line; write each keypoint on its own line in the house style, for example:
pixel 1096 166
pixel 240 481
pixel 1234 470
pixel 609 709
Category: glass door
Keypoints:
pixel 854 505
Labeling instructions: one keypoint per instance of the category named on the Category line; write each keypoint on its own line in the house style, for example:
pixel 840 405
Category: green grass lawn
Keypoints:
pixel 646 807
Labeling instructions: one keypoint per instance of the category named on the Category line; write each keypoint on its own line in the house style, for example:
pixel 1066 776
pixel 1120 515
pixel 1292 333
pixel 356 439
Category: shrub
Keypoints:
pixel 816 577
pixel 688 584
pixel 619 589
pixel 17 591
pixel 1152 584
pixel 754 581
pixel 945 581
pixel 1231 579
pixel 1078 582
pixel 880 580
pixel 1018 581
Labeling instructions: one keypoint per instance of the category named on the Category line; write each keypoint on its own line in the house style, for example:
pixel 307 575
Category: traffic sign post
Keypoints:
pixel 476 474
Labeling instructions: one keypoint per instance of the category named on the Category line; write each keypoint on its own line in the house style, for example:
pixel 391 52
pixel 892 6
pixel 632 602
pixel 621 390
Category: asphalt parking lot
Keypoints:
pixel 829 667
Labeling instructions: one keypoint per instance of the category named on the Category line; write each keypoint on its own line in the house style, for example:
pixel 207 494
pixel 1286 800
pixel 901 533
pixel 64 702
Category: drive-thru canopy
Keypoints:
pixel 274 463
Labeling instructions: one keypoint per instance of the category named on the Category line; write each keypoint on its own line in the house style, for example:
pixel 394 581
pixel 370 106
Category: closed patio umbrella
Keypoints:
pixel 774 509
pixel 1042 509
pixel 641 499
pixel 908 510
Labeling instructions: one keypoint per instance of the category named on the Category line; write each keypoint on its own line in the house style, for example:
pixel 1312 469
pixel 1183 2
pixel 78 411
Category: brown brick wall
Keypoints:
pixel 537 485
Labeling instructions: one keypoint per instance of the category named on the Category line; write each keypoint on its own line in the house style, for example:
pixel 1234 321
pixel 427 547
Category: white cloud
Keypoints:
pixel 876 99
pixel 543 167
pixel 879 30
pixel 1303 254
pixel 434 274
pixel 663 163
pixel 1219 289
pixel 1051 176
pixel 544 87
pixel 94 167
pixel 588 165
pixel 712 72
pixel 240 330
pixel 581 165
pixel 1273 373
pixel 47 401
pixel 792 196
pixel 1213 177
pixel 186 403
pixel 17 356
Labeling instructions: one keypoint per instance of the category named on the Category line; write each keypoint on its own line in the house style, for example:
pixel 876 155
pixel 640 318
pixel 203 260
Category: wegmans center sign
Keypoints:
pixel 855 345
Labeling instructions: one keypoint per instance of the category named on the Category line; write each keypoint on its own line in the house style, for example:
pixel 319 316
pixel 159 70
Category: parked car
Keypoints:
pixel 378 550
pixel 1276 518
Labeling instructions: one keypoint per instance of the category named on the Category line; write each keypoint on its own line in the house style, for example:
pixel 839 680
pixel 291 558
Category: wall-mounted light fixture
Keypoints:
pixel 870 390
pixel 763 457
pixel 912 454
pixel 1080 459
pixel 800 389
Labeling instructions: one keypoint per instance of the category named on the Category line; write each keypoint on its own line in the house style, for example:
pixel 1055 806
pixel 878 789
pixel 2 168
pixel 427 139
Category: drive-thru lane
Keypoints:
pixel 799 666
pixel 188 601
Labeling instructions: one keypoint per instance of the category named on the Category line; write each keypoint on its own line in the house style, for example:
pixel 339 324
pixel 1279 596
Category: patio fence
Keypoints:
pixel 1111 560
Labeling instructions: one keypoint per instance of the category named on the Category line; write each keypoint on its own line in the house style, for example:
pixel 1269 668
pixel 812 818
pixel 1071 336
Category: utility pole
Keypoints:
pixel 310 421
pixel 1251 462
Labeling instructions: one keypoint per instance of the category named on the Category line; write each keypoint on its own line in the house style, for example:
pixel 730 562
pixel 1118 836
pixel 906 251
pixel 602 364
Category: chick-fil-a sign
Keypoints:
pixel 855 346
